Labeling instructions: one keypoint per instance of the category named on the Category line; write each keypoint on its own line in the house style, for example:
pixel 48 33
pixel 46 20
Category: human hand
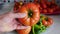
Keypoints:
pixel 8 22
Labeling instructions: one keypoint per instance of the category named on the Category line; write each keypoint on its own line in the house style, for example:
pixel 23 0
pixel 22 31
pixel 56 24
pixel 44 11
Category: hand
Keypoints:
pixel 8 22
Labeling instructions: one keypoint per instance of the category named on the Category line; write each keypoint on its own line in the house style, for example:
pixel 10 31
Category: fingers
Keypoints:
pixel 19 15
pixel 22 27
pixel 19 26
pixel 14 15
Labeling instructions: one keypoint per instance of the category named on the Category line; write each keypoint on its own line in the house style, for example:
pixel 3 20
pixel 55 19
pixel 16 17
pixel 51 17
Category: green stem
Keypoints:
pixel 33 30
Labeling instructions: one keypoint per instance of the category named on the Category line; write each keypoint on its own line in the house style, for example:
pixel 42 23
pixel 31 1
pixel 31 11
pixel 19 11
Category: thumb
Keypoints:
pixel 17 15
pixel 22 27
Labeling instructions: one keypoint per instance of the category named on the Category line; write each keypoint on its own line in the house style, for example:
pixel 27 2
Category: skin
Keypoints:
pixel 8 22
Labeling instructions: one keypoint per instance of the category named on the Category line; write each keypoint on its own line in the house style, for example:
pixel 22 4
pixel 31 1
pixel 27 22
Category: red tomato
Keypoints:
pixel 50 10
pixel 44 11
pixel 16 6
pixel 38 5
pixel 42 1
pixel 44 5
pixel 32 14
pixel 24 31
pixel 48 3
pixel 47 22
pixel 53 1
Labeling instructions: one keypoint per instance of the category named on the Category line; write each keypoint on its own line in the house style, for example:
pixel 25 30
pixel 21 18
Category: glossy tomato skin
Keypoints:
pixel 24 31
pixel 47 22
pixel 29 21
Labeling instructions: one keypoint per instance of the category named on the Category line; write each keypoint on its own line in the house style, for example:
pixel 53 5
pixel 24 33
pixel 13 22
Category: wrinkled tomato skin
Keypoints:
pixel 29 21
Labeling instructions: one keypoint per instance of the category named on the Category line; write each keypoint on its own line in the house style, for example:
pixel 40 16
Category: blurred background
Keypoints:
pixel 8 4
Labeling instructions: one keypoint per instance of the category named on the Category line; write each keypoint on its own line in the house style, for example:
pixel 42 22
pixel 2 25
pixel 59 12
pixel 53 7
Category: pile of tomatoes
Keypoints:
pixel 48 7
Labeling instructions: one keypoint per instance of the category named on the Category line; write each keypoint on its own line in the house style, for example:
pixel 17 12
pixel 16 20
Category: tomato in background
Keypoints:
pixel 44 10
pixel 47 22
pixel 50 10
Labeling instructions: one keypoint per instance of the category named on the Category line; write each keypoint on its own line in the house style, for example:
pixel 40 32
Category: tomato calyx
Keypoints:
pixel 30 13
pixel 46 19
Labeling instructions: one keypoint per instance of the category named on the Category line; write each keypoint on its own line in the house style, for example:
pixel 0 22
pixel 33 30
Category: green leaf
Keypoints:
pixel 36 26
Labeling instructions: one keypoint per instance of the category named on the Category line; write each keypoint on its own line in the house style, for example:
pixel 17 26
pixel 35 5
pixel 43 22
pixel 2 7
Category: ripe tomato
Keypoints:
pixel 44 11
pixel 47 22
pixel 32 14
pixel 48 3
pixel 50 10
pixel 42 1
pixel 53 1
pixel 24 31
pixel 16 6
pixel 38 5
pixel 44 5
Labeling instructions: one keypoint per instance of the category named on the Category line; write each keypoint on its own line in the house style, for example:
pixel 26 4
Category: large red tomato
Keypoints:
pixel 32 14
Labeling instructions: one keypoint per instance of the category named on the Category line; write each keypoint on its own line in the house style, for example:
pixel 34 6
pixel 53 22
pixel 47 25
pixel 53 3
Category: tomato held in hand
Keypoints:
pixel 32 14
pixel 38 5
pixel 47 22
